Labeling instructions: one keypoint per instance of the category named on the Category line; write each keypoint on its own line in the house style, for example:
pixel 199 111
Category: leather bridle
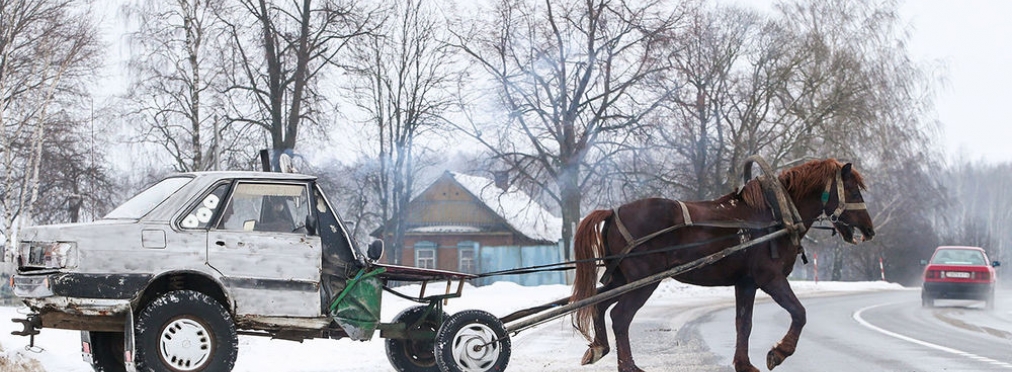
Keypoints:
pixel 842 205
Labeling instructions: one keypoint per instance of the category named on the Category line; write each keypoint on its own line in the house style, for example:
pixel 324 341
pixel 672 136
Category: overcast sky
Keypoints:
pixel 968 42
pixel 972 39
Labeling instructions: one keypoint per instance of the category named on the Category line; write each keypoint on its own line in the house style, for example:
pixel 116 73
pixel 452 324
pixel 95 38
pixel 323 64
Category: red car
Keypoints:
pixel 962 273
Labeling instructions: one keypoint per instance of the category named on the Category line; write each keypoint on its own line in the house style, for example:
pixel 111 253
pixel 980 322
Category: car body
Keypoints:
pixel 959 272
pixel 254 251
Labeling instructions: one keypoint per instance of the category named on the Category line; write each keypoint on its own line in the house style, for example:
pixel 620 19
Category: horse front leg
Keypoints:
pixel 744 301
pixel 780 290
pixel 621 317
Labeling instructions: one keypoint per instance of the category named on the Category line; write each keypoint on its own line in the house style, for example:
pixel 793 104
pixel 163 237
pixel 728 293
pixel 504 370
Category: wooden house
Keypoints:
pixel 469 224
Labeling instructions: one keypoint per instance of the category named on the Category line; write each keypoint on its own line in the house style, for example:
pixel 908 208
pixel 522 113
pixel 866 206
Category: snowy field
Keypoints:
pixel 554 346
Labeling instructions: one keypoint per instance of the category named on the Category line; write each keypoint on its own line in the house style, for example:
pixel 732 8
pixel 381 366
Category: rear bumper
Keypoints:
pixel 957 290
pixel 77 301
pixel 79 285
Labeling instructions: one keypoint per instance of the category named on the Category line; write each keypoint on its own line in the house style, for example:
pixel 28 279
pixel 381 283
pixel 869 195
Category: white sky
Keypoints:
pixel 966 43
pixel 972 41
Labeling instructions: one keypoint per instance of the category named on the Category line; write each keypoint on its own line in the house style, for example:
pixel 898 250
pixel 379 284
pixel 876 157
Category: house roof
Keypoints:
pixel 521 212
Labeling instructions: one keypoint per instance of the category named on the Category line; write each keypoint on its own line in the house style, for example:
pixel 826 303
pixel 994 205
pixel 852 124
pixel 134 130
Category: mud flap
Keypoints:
pixel 129 346
pixel 357 308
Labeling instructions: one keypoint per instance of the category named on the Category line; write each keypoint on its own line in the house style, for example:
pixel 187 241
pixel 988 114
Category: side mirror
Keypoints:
pixel 924 262
pixel 375 250
pixel 995 264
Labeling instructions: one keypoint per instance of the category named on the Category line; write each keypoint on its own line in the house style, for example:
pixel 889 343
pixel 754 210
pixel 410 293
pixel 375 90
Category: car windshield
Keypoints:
pixel 146 200
pixel 958 257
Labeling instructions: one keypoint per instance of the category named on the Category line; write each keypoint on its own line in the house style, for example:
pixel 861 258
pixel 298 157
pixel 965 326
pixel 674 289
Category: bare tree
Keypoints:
pixel 573 79
pixel 48 49
pixel 404 80
pixel 176 83
pixel 279 52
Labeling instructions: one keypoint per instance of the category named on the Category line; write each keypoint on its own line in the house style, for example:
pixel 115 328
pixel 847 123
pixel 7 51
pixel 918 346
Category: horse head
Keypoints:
pixel 844 205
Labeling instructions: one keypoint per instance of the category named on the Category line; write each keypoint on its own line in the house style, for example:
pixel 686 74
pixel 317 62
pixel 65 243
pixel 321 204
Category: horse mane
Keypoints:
pixel 806 178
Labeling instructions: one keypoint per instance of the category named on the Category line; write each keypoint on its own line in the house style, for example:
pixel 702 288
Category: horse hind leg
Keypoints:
pixel 621 317
pixel 598 347
pixel 780 290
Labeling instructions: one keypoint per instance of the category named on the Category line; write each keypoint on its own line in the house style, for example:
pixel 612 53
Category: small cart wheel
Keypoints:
pixel 472 341
pixel 412 354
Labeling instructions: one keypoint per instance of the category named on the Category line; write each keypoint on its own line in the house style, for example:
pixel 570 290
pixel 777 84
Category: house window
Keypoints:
pixel 425 255
pixel 467 261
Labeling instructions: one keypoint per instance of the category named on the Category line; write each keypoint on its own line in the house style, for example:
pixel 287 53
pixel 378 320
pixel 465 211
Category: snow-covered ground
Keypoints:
pixel 60 350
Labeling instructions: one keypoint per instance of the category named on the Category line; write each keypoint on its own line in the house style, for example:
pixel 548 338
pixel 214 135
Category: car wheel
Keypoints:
pixel 416 355
pixel 926 300
pixel 184 331
pixel 107 351
pixel 472 341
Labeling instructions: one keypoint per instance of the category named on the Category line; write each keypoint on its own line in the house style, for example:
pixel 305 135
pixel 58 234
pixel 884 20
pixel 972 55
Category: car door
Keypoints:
pixel 268 258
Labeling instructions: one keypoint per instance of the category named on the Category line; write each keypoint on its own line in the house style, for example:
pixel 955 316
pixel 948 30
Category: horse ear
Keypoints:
pixel 846 169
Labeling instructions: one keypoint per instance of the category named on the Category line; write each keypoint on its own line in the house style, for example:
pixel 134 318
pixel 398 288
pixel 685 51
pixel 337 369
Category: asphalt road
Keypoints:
pixel 879 331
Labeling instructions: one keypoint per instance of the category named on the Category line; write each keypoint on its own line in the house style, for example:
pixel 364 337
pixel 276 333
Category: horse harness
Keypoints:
pixel 686 222
pixel 842 205
pixel 783 204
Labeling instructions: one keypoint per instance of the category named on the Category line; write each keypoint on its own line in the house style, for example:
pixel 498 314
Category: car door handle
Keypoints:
pixel 220 243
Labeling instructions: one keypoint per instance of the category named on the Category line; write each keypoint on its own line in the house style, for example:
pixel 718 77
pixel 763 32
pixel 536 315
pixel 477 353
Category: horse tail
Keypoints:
pixel 588 243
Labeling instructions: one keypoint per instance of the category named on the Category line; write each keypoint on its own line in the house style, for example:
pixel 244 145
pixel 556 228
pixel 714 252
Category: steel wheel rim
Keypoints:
pixel 473 348
pixel 185 345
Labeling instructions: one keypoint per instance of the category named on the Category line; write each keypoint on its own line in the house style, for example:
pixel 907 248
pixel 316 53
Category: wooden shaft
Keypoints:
pixel 520 325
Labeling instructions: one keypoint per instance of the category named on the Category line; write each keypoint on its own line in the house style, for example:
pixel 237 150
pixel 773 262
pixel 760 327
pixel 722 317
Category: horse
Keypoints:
pixel 820 189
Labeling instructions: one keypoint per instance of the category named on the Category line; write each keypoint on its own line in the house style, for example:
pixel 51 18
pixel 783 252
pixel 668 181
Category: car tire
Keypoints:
pixel 414 355
pixel 926 300
pixel 107 351
pixel 472 341
pixel 185 331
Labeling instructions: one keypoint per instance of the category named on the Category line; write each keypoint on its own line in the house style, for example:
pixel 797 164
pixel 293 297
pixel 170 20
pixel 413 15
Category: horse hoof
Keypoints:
pixel 593 354
pixel 773 359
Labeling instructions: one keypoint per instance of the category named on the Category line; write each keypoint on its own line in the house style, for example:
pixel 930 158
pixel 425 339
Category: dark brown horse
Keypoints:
pixel 814 187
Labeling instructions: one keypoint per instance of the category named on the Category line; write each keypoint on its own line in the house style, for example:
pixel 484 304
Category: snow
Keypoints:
pixel 535 349
pixel 445 229
pixel 522 212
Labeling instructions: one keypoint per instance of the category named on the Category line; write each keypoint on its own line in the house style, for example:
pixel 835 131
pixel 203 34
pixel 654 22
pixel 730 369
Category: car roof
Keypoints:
pixel 958 247
pixel 250 175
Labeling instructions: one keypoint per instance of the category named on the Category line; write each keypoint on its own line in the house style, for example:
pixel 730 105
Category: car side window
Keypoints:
pixel 270 207
pixel 200 215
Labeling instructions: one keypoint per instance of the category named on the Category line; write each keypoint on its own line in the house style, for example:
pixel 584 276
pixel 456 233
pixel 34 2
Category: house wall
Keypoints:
pixel 447 257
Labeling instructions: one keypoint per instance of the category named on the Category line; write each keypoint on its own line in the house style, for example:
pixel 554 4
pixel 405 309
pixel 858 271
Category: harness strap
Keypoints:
pixel 841 198
pixel 621 227
pixel 687 221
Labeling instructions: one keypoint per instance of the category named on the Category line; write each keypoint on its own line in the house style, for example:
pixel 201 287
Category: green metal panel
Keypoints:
pixel 357 308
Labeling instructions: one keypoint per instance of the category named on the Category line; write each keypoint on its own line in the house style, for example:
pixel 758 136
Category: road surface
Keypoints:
pixel 879 331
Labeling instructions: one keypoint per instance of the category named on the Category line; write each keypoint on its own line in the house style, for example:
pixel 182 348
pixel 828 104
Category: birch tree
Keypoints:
pixel 48 49
pixel 175 92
